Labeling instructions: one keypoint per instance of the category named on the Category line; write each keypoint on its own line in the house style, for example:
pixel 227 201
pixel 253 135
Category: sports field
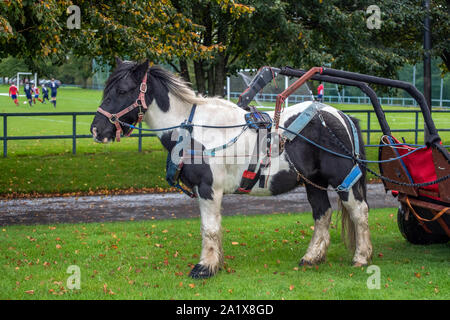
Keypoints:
pixel 48 166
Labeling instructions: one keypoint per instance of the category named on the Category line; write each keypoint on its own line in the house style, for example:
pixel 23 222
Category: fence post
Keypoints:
pixel 5 136
pixel 368 127
pixel 140 138
pixel 74 134
pixel 228 88
pixel 416 128
pixel 286 85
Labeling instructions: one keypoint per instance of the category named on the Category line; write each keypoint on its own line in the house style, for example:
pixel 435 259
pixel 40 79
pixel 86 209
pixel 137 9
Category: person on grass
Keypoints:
pixel 44 93
pixel 28 92
pixel 13 94
pixel 320 91
pixel 54 90
pixel 36 93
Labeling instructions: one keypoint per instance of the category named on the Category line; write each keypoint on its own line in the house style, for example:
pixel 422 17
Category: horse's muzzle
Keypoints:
pixel 102 130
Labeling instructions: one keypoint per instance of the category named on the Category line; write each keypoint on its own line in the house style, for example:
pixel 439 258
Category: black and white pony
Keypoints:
pixel 170 100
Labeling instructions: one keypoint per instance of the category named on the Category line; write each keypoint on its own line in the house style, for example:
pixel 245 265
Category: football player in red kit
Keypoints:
pixel 13 94
pixel 36 93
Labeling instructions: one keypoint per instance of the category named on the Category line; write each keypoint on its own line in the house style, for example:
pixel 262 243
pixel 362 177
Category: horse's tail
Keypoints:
pixel 362 155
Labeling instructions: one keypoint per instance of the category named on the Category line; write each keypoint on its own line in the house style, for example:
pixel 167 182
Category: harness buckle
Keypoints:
pixel 113 118
pixel 143 87
pixel 321 119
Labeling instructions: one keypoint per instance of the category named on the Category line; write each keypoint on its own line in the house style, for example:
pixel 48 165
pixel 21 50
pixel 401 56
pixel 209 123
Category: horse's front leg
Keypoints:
pixel 212 252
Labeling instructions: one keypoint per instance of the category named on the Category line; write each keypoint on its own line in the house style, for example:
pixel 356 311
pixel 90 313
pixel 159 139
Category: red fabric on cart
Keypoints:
pixel 420 166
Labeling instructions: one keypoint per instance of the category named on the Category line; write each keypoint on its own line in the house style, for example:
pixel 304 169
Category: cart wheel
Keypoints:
pixel 413 231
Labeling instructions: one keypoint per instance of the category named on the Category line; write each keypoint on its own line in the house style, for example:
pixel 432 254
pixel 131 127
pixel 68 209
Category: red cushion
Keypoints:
pixel 420 165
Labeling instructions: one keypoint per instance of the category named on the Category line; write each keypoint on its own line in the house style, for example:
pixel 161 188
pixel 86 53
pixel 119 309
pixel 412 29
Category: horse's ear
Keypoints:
pixel 118 61
pixel 140 70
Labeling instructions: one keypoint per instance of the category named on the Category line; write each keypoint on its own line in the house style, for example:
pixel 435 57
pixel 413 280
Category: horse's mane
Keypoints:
pixel 177 86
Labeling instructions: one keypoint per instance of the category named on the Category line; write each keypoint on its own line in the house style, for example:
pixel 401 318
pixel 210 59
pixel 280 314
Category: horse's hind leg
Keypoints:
pixel 355 217
pixel 211 258
pixel 320 240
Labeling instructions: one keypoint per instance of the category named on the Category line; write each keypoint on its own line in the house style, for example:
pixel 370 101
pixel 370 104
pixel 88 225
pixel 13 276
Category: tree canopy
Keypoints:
pixel 207 39
pixel 304 33
pixel 36 30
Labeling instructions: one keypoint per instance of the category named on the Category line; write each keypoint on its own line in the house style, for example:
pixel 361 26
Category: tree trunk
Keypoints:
pixel 199 76
pixel 211 84
pixel 208 36
pixel 220 76
pixel 446 58
pixel 184 70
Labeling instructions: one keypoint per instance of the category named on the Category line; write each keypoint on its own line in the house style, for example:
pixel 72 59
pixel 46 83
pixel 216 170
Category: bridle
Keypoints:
pixel 139 103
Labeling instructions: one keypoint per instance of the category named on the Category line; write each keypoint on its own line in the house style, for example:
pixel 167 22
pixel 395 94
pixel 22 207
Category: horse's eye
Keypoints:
pixel 120 91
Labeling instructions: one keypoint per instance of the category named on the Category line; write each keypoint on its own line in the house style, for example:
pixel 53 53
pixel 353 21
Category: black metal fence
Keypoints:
pixel 74 136
pixel 416 128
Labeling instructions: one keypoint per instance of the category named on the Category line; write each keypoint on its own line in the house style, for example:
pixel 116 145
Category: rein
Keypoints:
pixel 139 103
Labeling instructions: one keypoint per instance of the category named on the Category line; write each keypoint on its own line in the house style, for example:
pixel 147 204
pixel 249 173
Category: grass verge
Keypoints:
pixel 151 260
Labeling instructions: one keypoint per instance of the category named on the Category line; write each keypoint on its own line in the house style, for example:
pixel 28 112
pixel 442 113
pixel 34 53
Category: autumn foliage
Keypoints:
pixel 132 29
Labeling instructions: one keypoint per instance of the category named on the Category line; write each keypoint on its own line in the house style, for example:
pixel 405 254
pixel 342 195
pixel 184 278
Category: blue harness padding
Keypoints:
pixel 301 121
pixel 355 136
pixel 354 175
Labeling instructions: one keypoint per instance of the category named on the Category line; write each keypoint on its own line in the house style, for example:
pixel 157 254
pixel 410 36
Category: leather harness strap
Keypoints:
pixel 139 103
pixel 437 216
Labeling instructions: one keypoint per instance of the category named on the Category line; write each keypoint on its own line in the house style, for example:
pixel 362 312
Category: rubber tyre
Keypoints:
pixel 413 232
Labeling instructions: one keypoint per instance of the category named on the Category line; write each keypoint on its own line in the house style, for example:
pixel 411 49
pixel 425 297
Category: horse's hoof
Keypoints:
pixel 359 264
pixel 200 272
pixel 304 262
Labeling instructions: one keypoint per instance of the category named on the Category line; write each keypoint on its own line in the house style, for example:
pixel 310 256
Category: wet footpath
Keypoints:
pixel 85 209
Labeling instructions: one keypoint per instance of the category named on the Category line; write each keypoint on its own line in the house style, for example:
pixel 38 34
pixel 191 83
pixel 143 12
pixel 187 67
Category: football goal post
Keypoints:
pixel 23 74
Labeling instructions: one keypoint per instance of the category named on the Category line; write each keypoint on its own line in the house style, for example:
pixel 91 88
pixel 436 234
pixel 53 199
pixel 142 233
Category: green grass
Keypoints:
pixel 82 173
pixel 47 166
pixel 151 260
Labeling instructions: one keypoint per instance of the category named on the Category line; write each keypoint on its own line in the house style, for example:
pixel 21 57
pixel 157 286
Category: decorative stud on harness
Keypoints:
pixel 139 103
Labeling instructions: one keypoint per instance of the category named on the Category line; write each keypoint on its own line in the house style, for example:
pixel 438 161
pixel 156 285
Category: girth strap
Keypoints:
pixel 173 170
pixel 251 176
pixel 254 173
